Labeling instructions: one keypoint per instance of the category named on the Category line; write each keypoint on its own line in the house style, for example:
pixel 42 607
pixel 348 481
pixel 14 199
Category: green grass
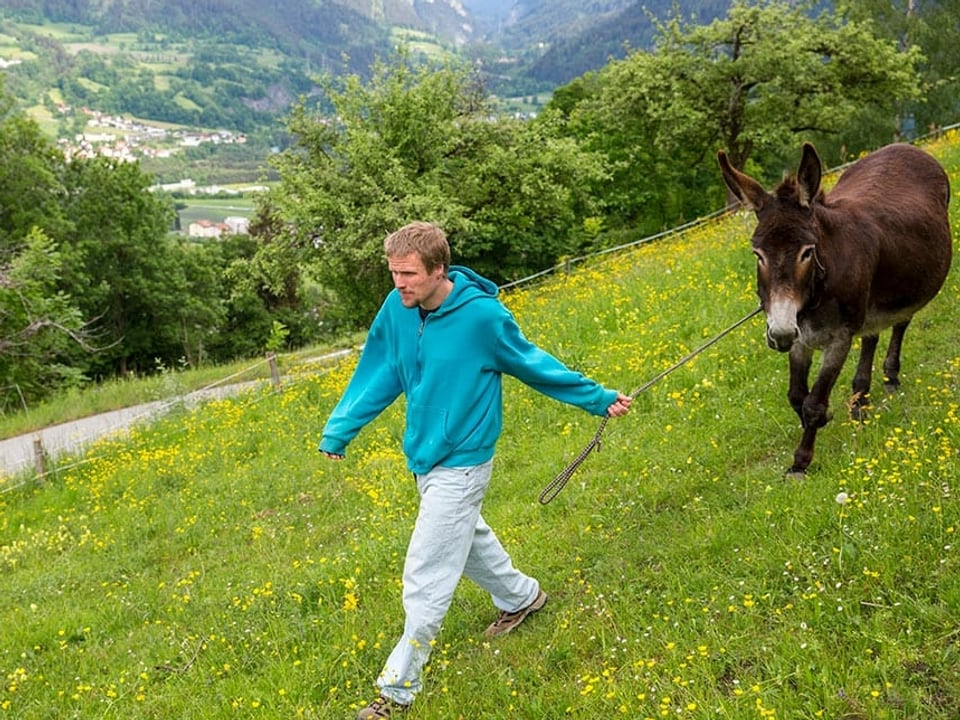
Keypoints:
pixel 91 85
pixel 185 102
pixel 214 565
pixel 41 115
pixel 12 52
pixel 64 32
pixel 201 208
pixel 421 42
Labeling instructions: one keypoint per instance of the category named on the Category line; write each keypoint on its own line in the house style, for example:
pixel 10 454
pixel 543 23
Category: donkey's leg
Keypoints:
pixel 891 363
pixel 863 376
pixel 801 358
pixel 815 407
pixel 804 452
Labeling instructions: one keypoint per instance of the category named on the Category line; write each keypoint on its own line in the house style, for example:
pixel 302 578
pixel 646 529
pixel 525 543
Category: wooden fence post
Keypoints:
pixel 39 457
pixel 274 370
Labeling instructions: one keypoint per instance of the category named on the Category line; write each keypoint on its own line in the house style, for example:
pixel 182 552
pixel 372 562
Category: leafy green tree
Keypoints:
pixel 648 190
pixel 123 271
pixel 38 324
pixel 526 192
pixel 934 28
pixel 31 189
pixel 422 141
pixel 202 308
pixel 257 291
pixel 753 83
pixel 92 284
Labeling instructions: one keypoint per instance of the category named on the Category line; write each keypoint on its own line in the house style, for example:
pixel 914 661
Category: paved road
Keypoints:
pixel 17 454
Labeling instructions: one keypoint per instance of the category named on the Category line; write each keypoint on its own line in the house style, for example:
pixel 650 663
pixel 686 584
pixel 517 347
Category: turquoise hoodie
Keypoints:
pixel 450 368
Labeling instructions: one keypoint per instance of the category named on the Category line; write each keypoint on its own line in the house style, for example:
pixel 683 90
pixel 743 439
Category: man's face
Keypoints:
pixel 416 285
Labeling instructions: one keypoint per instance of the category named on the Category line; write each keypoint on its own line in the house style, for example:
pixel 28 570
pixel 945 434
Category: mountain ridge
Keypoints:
pixel 238 65
pixel 324 32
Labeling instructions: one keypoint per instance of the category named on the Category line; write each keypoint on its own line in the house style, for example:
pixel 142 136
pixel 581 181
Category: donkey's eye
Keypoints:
pixel 806 255
pixel 761 261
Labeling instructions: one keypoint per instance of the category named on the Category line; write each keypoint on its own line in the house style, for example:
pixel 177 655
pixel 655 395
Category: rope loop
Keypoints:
pixel 556 485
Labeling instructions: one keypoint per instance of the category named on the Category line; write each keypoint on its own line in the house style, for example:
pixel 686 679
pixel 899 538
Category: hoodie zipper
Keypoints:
pixel 423 321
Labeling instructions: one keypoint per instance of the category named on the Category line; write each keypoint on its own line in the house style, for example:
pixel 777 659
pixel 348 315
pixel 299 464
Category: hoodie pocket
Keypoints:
pixel 427 441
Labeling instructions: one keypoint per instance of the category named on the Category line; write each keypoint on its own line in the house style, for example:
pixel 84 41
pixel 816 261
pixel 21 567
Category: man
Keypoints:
pixel 444 339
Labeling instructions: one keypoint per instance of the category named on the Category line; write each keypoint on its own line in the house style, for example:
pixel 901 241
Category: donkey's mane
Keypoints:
pixel 789 190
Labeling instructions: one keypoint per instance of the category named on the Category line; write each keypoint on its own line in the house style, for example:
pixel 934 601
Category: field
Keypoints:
pixel 215 210
pixel 214 565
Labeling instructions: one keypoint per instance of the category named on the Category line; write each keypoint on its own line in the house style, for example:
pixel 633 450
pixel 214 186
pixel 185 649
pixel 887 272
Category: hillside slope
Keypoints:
pixel 610 36
pixel 214 565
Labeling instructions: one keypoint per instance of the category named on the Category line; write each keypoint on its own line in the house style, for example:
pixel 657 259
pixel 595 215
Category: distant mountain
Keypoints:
pixel 548 21
pixel 447 19
pixel 553 40
pixel 489 16
pixel 318 33
pixel 579 45
pixel 239 64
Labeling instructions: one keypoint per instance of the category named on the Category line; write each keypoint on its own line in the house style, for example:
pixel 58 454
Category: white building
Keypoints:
pixel 237 225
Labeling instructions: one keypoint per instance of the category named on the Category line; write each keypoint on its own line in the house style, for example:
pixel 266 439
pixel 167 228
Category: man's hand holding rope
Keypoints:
pixel 620 406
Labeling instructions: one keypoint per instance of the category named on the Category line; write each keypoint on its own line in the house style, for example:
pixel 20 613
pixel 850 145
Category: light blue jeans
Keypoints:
pixel 449 539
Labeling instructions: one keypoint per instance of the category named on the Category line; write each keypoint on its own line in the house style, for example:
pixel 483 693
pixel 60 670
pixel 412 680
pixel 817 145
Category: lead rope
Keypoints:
pixel 557 484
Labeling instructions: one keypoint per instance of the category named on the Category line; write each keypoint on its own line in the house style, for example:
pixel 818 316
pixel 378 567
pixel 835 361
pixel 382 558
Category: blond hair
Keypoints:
pixel 423 239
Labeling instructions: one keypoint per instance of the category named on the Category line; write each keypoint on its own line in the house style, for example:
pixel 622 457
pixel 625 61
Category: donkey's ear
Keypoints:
pixel 809 175
pixel 747 190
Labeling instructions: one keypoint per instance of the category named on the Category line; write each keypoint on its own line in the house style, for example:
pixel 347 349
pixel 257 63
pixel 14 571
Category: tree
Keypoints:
pixel 200 308
pixel 38 325
pixel 260 288
pixel 31 186
pixel 934 28
pixel 92 284
pixel 422 141
pixel 38 322
pixel 753 83
pixel 124 273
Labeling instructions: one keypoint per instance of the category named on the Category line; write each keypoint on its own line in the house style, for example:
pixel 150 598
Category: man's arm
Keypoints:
pixel 374 386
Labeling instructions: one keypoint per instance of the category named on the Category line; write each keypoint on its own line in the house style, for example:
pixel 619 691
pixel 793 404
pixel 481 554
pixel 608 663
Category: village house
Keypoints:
pixel 207 229
pixel 210 229
pixel 237 225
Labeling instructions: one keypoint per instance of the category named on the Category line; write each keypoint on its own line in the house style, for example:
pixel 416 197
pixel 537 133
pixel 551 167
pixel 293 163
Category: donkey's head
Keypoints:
pixel 784 242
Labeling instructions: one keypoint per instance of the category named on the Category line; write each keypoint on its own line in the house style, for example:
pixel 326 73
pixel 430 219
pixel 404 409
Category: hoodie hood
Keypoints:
pixel 467 286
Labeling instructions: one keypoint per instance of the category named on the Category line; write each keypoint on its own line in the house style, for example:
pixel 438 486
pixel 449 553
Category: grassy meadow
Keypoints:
pixel 215 209
pixel 214 565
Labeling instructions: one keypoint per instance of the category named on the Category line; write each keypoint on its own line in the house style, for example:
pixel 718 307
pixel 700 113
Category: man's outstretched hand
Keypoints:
pixel 620 406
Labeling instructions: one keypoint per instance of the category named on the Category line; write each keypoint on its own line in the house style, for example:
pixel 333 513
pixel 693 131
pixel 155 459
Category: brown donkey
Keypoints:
pixel 852 262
